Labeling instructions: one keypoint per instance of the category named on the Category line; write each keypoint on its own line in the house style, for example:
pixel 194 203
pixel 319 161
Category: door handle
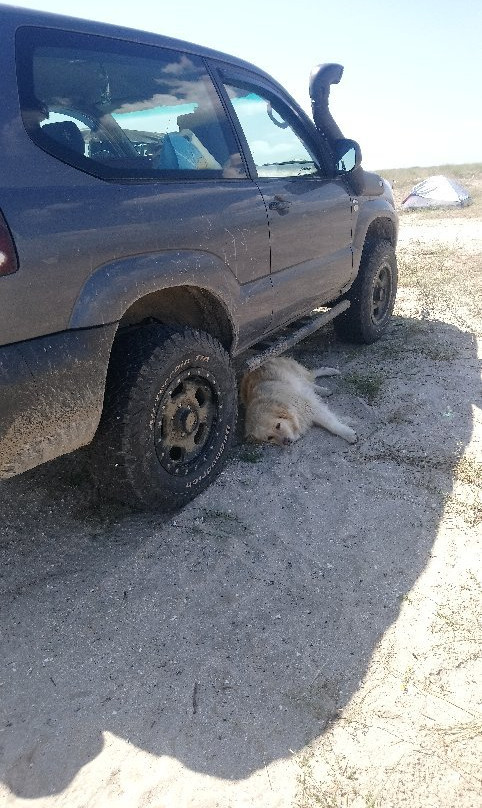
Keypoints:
pixel 280 205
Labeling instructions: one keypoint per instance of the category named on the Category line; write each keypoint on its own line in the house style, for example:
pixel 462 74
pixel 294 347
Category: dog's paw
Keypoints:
pixel 350 435
pixel 326 372
pixel 323 391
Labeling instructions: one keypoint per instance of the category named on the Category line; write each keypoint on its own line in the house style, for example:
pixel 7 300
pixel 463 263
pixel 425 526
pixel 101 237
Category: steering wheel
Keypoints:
pixel 269 110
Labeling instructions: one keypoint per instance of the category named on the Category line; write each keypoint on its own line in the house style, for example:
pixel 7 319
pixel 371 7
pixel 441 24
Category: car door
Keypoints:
pixel 309 211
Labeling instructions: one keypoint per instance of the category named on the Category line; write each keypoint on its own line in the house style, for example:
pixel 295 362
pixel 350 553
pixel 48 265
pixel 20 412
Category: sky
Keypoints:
pixel 411 93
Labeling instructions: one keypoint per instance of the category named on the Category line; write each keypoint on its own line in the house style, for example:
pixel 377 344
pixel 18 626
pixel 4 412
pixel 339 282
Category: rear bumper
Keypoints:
pixel 51 395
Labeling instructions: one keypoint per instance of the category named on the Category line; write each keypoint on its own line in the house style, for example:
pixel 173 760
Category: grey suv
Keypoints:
pixel 163 208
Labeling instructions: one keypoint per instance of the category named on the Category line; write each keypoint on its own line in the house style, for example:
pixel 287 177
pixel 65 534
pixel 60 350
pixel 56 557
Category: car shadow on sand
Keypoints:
pixel 234 632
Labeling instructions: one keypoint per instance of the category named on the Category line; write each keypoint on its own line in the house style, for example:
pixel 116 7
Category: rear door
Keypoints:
pixel 309 212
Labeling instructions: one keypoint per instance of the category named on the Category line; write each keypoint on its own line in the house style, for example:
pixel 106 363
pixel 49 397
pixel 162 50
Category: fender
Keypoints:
pixel 116 286
pixel 378 213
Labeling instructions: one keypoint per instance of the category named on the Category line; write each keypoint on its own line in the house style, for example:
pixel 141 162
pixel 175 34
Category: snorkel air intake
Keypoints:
pixel 321 79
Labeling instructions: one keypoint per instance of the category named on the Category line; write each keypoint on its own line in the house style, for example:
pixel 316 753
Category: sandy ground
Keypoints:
pixel 307 632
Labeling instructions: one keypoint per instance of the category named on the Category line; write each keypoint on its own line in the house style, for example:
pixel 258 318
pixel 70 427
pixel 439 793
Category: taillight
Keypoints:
pixel 8 253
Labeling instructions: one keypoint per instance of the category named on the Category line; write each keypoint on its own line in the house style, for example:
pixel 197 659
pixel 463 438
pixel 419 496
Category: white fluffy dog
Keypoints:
pixel 282 402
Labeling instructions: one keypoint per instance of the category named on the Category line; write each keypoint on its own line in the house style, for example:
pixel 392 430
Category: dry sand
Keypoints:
pixel 307 632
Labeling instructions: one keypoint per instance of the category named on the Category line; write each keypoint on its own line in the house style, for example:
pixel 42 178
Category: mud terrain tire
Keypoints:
pixel 372 296
pixel 169 416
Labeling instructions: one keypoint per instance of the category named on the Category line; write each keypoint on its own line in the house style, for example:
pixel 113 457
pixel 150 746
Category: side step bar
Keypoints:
pixel 289 337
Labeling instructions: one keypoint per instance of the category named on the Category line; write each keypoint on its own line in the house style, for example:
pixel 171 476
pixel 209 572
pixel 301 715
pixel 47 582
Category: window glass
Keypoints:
pixel 119 109
pixel 276 149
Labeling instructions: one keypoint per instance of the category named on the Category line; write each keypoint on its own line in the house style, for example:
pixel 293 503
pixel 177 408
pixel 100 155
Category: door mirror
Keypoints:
pixel 347 156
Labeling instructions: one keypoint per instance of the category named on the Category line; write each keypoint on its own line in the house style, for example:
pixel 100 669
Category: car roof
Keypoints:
pixel 14 16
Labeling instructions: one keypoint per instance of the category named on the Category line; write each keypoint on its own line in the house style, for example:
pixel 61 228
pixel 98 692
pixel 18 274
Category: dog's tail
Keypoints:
pixel 325 372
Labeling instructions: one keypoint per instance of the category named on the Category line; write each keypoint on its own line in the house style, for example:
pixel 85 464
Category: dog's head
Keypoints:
pixel 269 427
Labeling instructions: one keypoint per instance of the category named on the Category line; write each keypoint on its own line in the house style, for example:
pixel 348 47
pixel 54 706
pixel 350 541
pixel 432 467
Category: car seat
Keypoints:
pixel 66 133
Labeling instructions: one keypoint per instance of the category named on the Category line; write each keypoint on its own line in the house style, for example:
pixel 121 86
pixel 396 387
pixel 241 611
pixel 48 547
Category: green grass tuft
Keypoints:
pixel 366 385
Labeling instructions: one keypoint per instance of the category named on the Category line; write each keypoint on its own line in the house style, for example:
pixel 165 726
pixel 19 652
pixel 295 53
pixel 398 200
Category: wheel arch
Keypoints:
pixel 187 305
pixel 381 226
pixel 173 287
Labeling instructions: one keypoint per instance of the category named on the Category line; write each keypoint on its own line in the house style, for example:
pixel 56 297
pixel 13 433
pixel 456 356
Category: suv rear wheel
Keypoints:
pixel 169 417
pixel 372 296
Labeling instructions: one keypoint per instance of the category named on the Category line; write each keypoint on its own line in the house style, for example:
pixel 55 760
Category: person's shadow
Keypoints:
pixel 234 632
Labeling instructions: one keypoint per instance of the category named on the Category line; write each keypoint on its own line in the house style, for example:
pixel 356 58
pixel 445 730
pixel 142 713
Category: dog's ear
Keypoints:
pixel 288 414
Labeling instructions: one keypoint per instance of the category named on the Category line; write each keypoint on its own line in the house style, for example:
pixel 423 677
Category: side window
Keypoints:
pixel 118 109
pixel 277 150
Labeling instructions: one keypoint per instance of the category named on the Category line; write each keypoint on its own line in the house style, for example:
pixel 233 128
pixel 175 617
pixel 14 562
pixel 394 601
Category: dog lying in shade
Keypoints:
pixel 282 402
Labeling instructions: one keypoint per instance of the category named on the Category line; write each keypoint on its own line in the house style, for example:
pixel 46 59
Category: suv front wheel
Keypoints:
pixel 372 296
pixel 169 416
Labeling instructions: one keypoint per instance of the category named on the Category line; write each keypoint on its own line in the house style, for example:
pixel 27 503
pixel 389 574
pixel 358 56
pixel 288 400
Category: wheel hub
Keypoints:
pixel 185 421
